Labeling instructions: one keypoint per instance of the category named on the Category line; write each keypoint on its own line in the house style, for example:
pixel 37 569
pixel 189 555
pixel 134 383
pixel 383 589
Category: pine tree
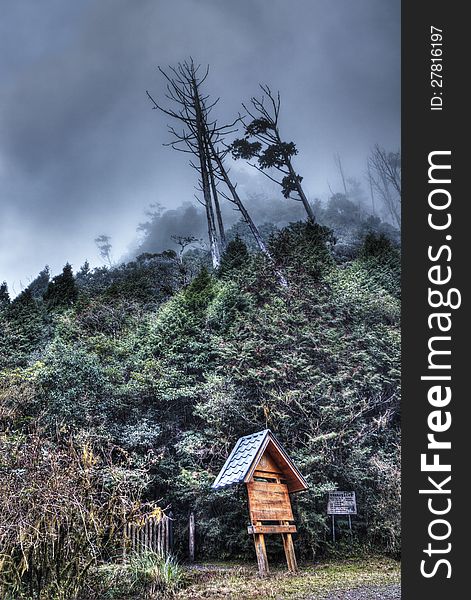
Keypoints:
pixel 62 290
pixel 235 257
pixel 23 329
pixel 4 295
pixel 39 285
pixel 271 152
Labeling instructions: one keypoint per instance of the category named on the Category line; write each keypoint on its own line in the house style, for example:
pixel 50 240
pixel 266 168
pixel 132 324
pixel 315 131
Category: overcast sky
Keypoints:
pixel 81 150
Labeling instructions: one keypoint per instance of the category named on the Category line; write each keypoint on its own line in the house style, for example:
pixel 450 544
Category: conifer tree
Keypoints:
pixel 23 329
pixel 4 295
pixel 39 285
pixel 269 148
pixel 235 257
pixel 62 290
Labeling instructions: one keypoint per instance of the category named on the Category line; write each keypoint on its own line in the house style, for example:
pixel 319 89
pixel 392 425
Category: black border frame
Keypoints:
pixel 424 131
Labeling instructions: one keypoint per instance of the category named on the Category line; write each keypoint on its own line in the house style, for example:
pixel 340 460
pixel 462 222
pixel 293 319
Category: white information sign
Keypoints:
pixel 342 503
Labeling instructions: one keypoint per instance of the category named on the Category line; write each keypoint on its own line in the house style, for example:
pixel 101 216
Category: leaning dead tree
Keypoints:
pixel 384 174
pixel 217 153
pixel 202 137
pixel 218 150
pixel 263 141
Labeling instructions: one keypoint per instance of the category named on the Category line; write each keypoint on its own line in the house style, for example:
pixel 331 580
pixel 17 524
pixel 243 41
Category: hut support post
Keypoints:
pixel 261 552
pixel 289 552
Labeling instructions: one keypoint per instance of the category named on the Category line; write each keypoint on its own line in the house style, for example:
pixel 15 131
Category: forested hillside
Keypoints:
pixel 147 374
pixel 123 388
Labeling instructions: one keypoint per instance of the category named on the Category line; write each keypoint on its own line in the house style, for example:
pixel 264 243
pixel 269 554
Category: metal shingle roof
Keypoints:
pixel 240 459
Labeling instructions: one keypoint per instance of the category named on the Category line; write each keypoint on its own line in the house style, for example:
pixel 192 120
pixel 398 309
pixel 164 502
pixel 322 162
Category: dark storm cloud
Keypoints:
pixel 80 148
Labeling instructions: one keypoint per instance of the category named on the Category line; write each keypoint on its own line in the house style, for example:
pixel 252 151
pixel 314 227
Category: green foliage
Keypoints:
pixel 234 258
pixel 4 295
pixel 172 374
pixel 62 290
pixel 289 184
pixel 24 328
pixel 74 386
pixel 259 126
pixel 242 148
pixel 304 249
pixel 378 246
pixel 383 262
pixel 276 155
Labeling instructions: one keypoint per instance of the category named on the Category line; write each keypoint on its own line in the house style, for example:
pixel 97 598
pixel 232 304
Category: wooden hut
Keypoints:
pixel 270 476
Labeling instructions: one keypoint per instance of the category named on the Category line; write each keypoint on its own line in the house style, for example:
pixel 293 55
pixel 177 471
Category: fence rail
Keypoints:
pixel 153 535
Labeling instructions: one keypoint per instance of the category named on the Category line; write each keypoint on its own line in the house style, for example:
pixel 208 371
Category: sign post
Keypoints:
pixel 341 503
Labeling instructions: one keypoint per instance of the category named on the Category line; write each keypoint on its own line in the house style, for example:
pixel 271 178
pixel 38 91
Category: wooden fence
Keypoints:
pixel 154 534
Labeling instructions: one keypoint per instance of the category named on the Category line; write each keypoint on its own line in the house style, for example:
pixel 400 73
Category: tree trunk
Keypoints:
pixel 340 168
pixel 191 537
pixel 238 202
pixel 222 233
pixel 299 189
pixel 247 218
pixel 302 195
pixel 200 135
pixel 371 190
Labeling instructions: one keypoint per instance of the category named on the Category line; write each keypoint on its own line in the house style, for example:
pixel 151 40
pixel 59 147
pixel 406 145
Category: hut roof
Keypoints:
pixel 247 453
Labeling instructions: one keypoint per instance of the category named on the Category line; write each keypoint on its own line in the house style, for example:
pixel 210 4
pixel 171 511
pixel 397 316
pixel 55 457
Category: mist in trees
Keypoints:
pixel 205 138
pixel 210 146
pixel 104 245
pixel 350 218
pixel 40 283
pixel 384 175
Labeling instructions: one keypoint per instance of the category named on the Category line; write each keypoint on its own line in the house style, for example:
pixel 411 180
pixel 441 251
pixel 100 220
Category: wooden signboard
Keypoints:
pixel 269 501
pixel 259 461
pixel 270 510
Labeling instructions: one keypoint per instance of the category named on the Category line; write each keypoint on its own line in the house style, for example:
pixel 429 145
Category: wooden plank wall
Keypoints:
pixel 269 502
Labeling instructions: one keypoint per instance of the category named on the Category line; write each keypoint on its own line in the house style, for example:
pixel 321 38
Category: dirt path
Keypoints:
pixel 377 592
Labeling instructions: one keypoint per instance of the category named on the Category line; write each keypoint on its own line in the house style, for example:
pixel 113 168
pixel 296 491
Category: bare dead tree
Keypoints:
pixel 372 194
pixel 183 90
pixel 183 242
pixel 185 267
pixel 384 172
pixel 338 163
pixel 215 193
pixel 268 147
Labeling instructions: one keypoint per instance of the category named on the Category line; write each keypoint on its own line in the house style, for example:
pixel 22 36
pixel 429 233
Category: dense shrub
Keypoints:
pixel 65 512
